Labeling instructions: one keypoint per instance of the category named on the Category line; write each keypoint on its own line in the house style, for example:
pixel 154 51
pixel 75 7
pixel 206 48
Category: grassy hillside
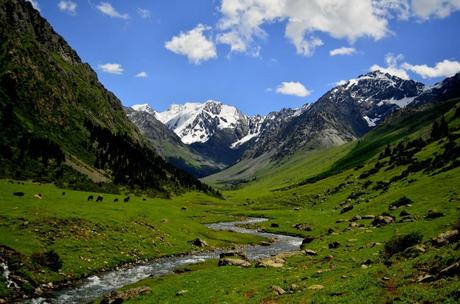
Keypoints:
pixel 359 258
pixel 59 124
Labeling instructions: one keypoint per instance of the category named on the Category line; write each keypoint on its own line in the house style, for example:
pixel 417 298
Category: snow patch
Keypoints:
pixel 371 122
pixel 143 108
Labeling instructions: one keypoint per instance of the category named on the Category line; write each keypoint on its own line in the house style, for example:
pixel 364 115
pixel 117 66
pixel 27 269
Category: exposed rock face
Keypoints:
pixel 169 145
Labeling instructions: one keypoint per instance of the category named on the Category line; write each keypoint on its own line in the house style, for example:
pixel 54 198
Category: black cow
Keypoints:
pixel 99 198
pixel 126 199
pixel 18 193
pixel 90 198
pixel 63 193
pixel 115 200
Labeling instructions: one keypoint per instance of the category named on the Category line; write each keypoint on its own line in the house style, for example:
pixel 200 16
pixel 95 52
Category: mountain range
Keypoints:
pixel 224 136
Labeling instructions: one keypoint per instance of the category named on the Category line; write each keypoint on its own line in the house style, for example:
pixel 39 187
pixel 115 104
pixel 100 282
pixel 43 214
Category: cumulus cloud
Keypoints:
pixel 342 51
pixel 68 7
pixel 142 75
pixel 107 9
pixel 144 13
pixel 242 21
pixel 193 44
pixel 424 9
pixel 34 4
pixel 394 66
pixel 111 68
pixel 293 88
pixel 445 68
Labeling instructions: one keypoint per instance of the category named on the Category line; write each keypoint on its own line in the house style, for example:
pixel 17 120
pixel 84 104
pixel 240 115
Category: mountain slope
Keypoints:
pixel 56 118
pixel 343 114
pixel 169 145
pixel 215 130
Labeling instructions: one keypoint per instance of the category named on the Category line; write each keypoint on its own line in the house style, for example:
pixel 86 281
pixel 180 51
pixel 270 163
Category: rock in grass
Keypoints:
pixel 274 225
pixel 199 242
pixel 121 296
pixel 433 214
pixel 275 262
pixel 346 208
pixel 451 270
pixel 425 278
pixel 316 287
pixel 446 238
pixel 382 220
pixel 181 292
pixel 303 227
pixel 310 252
pixel 334 245
pixel 234 262
pixel 368 217
pixel 278 290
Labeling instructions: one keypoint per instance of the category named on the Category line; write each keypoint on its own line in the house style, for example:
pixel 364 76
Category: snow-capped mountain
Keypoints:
pixel 224 135
pixel 214 129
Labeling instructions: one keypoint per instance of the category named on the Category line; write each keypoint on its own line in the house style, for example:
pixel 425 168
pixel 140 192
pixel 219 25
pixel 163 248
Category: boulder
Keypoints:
pixel 382 220
pixel 121 296
pixel 234 262
pixel 346 208
pixel 310 252
pixel 181 292
pixel 368 217
pixel 306 241
pixel 278 290
pixel 355 218
pixel 274 262
pixel 233 254
pixel 303 227
pixel 446 238
pixel 316 287
pixel 433 214
pixel 334 245
pixel 199 242
pixel 451 270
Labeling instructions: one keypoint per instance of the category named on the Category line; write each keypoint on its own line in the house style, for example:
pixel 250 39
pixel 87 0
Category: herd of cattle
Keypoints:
pixel 99 198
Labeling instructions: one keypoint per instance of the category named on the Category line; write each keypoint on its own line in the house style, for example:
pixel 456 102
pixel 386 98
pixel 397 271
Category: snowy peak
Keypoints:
pixel 198 122
pixel 143 108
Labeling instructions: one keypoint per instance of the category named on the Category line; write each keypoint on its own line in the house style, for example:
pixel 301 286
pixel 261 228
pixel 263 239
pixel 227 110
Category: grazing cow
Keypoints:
pixel 115 200
pixel 63 193
pixel 18 193
pixel 99 198
pixel 90 198
pixel 126 199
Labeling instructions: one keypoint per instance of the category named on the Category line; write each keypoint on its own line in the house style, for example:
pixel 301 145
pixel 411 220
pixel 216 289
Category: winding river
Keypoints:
pixel 93 287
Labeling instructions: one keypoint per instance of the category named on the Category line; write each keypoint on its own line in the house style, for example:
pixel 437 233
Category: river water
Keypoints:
pixel 96 286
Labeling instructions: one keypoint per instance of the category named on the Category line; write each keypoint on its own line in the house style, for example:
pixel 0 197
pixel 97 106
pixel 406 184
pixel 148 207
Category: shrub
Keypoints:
pixel 48 259
pixel 401 243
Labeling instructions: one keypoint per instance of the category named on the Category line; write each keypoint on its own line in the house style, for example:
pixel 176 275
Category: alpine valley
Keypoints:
pixel 352 198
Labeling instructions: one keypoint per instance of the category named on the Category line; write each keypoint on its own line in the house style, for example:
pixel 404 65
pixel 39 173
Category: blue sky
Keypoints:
pixel 258 55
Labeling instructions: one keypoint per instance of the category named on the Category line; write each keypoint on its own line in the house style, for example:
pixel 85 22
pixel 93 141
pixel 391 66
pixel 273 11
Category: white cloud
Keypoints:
pixel 424 9
pixel 342 51
pixel 107 9
pixel 68 6
pixel 242 21
pixel 34 4
pixel 445 68
pixel 111 68
pixel 293 88
pixel 393 66
pixel 142 75
pixel 144 13
pixel 193 44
